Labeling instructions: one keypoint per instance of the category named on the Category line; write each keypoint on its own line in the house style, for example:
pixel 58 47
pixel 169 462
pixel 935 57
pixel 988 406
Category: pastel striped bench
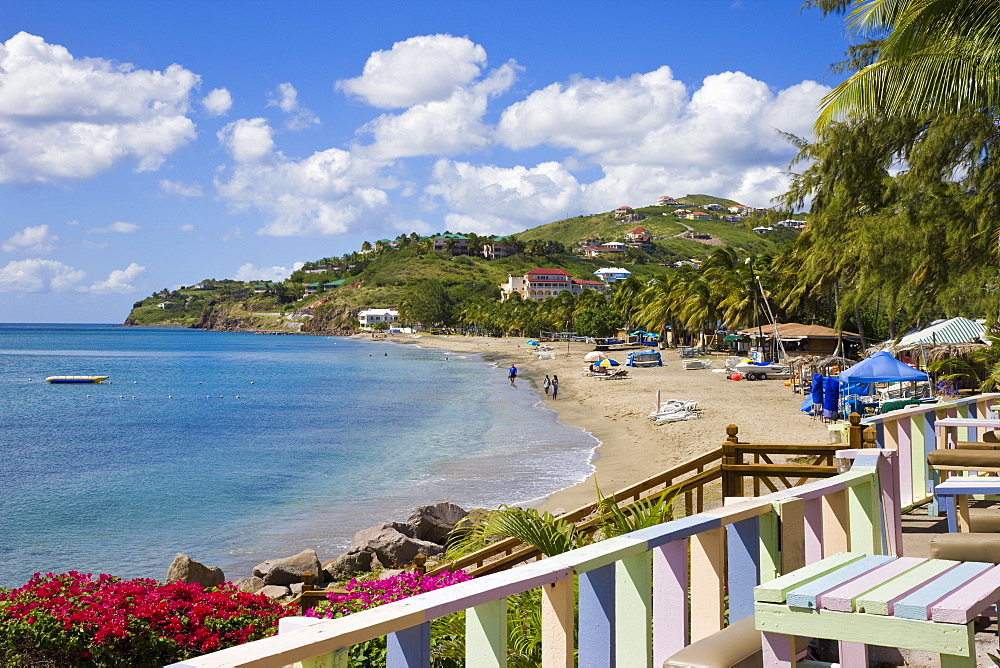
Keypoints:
pixel 858 600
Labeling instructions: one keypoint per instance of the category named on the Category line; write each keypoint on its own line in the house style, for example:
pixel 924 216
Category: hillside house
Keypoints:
pixel 614 247
pixel 763 230
pixel 698 215
pixel 612 274
pixel 496 248
pixel 732 219
pixel 370 316
pixel 623 211
pixel 164 305
pixel 203 286
pixel 538 284
pixel 331 285
pixel 311 288
pixel 713 207
pixel 458 244
pixel 590 251
pixel 666 200
pixel 640 238
pixel 739 209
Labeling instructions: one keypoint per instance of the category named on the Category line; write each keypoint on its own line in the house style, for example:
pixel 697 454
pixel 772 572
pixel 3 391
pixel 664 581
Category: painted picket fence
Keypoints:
pixel 642 596
pixel 911 433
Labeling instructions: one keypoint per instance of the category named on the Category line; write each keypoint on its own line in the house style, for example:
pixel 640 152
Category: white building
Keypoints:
pixel 369 317
pixel 612 274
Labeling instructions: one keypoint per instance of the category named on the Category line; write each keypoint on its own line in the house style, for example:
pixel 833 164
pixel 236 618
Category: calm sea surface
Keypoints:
pixel 234 448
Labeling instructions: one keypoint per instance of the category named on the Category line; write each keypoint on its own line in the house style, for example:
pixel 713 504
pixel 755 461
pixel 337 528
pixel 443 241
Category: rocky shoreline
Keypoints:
pixel 384 547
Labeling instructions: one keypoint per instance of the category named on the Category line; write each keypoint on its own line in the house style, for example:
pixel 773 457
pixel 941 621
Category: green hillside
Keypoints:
pixel 385 275
pixel 665 224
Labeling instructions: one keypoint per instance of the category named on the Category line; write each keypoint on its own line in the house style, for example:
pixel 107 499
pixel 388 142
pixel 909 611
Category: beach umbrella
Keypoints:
pixel 594 356
pixel 607 362
pixel 531 342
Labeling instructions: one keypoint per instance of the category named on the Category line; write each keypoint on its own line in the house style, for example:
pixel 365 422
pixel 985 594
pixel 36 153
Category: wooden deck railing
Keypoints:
pixel 642 596
pixel 910 432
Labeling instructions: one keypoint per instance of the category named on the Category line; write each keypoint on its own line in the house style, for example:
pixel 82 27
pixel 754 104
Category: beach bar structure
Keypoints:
pixel 799 339
pixel 648 594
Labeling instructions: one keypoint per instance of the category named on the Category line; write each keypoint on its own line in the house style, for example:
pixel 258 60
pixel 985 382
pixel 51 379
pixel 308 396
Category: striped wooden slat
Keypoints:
pixel 917 604
pixel 486 634
pixel 812 515
pixel 558 624
pixel 793 541
pixel 842 598
pixel 880 601
pixel 806 596
pixel 597 616
pixel 770 546
pixel 961 605
pixel 776 590
pixel 409 648
pixel 633 611
pixel 708 575
pixel 670 600
pixel 836 526
pixel 743 554
pixel 863 509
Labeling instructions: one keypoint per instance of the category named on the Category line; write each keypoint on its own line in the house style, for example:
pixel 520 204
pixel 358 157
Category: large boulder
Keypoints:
pixel 435 522
pixel 289 569
pixel 186 569
pixel 349 564
pixel 391 546
pixel 250 585
pixel 275 591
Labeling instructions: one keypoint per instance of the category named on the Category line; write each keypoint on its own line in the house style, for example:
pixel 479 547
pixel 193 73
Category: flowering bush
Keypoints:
pixel 365 594
pixel 74 620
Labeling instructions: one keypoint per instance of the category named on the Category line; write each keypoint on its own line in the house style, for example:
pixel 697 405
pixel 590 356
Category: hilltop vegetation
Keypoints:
pixel 325 293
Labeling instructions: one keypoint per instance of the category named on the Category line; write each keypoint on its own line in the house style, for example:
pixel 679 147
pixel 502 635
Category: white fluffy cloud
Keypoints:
pixel 249 272
pixel 440 127
pixel 35 239
pixel 486 199
pixel 321 194
pixel 37 275
pixel 179 189
pixel 217 102
pixel 248 139
pixel 416 71
pixel 287 99
pixel 68 118
pixel 118 281
pixel 119 227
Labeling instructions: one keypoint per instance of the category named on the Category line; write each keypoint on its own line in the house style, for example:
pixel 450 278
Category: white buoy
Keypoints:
pixel 170 396
pixel 121 396
pixel 251 382
pixel 237 396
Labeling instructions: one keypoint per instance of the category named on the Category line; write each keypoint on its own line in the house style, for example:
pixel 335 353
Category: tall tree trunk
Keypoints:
pixel 861 327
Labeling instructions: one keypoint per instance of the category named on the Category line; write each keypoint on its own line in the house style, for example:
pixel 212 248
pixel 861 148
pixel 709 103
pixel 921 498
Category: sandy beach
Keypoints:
pixel 616 412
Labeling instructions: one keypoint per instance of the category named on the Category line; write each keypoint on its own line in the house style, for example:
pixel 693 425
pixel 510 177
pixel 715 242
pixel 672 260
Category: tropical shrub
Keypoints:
pixel 72 619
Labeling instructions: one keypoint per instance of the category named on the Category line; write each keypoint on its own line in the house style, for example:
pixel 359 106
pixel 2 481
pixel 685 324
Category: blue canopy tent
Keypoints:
pixel 881 367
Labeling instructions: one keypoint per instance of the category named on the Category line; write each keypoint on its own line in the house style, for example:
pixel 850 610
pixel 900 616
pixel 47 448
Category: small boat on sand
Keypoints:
pixel 75 379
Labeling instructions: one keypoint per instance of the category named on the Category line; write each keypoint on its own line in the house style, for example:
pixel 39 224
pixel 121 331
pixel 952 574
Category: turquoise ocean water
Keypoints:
pixel 234 448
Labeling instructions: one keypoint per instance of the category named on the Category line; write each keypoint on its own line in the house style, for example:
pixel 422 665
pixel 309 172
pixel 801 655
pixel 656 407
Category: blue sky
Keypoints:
pixel 154 144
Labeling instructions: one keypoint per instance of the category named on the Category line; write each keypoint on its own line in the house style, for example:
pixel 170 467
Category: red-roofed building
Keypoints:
pixel 698 215
pixel 666 200
pixel 539 284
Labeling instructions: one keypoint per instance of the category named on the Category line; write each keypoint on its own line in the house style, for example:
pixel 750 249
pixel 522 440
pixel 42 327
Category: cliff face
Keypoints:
pixel 225 318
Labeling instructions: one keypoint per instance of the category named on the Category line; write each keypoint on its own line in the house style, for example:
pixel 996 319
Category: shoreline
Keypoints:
pixel 615 412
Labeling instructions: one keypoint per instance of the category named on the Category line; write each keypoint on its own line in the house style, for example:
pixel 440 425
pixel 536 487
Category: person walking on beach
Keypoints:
pixel 512 374
pixel 555 387
pixel 546 384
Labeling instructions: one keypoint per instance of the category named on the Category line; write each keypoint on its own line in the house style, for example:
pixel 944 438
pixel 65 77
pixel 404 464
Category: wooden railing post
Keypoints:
pixel 732 481
pixel 854 439
pixel 869 437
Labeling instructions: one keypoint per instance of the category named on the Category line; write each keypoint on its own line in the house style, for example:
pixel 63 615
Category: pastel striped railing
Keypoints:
pixel 642 596
pixel 910 432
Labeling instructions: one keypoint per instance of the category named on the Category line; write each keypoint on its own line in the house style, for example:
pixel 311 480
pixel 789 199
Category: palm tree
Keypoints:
pixel 935 57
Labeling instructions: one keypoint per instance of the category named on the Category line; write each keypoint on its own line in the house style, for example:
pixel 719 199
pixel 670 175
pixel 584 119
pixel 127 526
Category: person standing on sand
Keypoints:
pixel 512 374
pixel 546 384
pixel 555 387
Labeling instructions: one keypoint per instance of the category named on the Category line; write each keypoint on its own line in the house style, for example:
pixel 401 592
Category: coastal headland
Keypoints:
pixel 616 412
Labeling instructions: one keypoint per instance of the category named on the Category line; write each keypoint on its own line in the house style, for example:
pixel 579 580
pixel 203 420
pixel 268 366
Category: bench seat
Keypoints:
pixel 736 646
